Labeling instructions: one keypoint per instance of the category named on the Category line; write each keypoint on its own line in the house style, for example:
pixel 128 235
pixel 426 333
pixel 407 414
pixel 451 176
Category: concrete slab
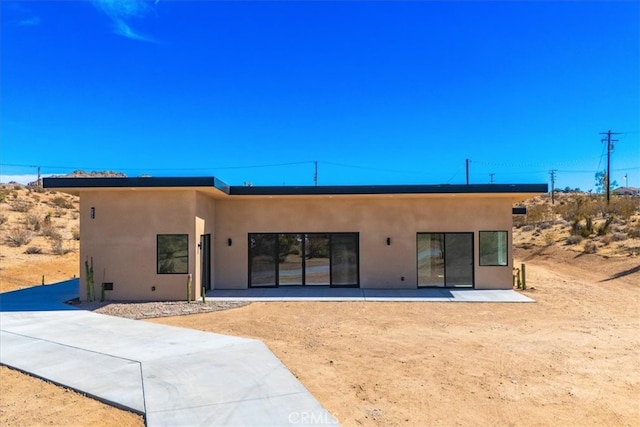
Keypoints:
pixel 316 293
pixel 175 376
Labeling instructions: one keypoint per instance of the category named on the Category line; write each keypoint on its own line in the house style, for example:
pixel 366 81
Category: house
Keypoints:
pixel 145 235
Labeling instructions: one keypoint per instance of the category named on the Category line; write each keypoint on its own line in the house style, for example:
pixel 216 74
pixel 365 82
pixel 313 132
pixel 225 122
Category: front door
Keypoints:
pixel 205 262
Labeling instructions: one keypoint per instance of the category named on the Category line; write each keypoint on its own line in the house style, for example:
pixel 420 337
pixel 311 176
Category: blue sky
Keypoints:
pixel 375 92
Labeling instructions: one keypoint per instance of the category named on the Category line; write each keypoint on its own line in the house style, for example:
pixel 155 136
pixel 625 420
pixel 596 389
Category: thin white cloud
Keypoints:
pixel 122 12
pixel 29 22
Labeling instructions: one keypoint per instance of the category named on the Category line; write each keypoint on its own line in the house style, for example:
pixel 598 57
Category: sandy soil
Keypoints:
pixel 572 358
pixel 28 401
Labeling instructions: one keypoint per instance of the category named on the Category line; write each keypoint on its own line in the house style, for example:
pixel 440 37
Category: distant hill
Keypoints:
pixel 82 174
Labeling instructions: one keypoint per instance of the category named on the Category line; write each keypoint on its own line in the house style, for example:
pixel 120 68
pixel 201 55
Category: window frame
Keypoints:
pixel 158 237
pixel 497 244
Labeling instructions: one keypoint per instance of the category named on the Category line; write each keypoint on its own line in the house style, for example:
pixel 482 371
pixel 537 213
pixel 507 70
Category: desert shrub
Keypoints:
pixel 528 228
pixel 606 240
pixel 21 206
pixel 623 206
pixel 62 202
pixel 75 233
pixel 58 212
pixel 574 239
pixel 634 232
pixel 32 221
pixel 3 218
pixel 33 250
pixel 57 247
pixel 618 237
pixel 583 230
pixel 590 247
pixel 51 232
pixel 18 236
pixel 538 213
pixel 549 237
pixel 545 225
pixel 603 228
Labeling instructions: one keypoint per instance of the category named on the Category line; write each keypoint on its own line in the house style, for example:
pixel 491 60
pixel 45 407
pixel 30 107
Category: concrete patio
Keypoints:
pixel 324 293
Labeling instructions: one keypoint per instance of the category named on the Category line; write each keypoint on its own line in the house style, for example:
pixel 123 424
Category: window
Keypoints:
pixel 493 248
pixel 173 254
pixel 278 259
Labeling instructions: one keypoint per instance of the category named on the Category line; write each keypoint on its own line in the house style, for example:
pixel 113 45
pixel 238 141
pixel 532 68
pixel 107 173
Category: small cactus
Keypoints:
pixel 89 269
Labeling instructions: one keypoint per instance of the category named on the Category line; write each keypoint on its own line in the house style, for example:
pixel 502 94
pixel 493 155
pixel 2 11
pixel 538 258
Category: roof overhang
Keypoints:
pixel 215 186
pixel 77 185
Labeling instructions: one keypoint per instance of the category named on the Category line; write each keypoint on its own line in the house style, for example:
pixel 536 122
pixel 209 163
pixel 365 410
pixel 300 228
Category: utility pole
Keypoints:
pixel 491 178
pixel 609 148
pixel 38 182
pixel 467 169
pixel 315 174
pixel 552 172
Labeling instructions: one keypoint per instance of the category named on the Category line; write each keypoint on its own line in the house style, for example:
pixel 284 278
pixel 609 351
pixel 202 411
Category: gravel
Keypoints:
pixel 149 310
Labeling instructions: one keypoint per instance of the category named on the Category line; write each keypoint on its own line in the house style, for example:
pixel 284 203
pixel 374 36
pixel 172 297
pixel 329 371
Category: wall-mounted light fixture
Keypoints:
pixel 388 241
pixel 93 212
pixel 229 241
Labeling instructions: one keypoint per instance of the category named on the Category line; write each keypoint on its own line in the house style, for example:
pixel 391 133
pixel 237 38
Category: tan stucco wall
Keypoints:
pixel 375 218
pixel 122 237
pixel 122 241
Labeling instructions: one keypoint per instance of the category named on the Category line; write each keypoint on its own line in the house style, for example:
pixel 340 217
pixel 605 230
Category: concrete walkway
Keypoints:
pixel 324 293
pixel 174 376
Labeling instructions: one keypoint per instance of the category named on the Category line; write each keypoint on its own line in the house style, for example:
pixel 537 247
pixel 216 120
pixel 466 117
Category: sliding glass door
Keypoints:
pixel 280 259
pixel 316 259
pixel 445 260
pixel 262 260
pixel 344 259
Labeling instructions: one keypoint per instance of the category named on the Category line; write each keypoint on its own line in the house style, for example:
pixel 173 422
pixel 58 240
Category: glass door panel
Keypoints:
pixel 317 270
pixel 431 259
pixel 290 259
pixel 344 259
pixel 458 250
pixel 262 257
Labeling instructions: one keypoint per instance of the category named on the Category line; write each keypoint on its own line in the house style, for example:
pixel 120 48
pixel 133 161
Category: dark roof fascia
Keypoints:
pixel 388 189
pixel 210 181
pixel 151 182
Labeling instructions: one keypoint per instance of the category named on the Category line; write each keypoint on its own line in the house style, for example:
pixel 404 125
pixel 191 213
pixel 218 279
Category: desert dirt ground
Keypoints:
pixel 572 358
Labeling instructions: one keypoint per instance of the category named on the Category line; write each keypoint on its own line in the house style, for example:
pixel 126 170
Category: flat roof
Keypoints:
pixel 77 184
pixel 122 182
